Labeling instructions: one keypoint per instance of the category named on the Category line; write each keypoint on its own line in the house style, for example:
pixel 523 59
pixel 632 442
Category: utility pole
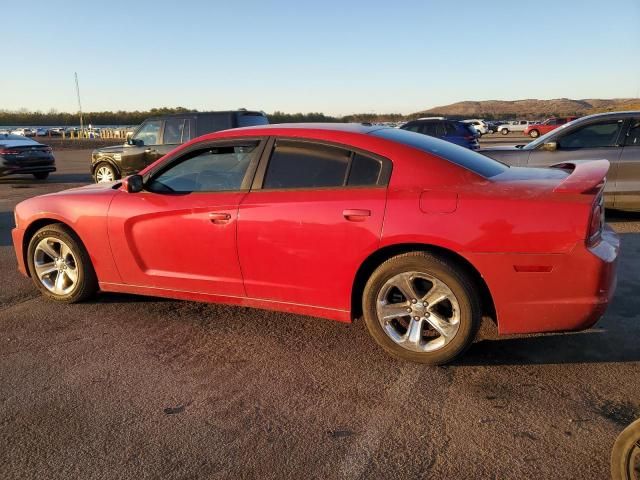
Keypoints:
pixel 79 104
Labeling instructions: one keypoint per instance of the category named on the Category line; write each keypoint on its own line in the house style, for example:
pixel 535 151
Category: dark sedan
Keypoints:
pixel 611 136
pixel 21 155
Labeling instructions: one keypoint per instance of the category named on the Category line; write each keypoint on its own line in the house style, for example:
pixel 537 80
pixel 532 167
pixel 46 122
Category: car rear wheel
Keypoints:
pixel 41 175
pixel 421 308
pixel 534 133
pixel 504 131
pixel 105 173
pixel 625 455
pixel 60 266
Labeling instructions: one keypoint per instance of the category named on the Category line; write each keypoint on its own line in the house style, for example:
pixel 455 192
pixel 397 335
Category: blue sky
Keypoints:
pixel 337 57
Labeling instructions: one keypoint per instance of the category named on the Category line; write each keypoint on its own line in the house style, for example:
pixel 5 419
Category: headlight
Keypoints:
pixel 117 157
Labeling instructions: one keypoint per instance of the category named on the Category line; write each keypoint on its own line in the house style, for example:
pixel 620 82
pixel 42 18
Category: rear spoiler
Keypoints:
pixel 587 176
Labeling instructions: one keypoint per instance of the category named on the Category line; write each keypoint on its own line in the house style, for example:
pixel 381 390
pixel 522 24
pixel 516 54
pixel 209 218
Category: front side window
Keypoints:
pixel 214 169
pixel 149 133
pixel 596 135
pixel 306 165
pixel 633 137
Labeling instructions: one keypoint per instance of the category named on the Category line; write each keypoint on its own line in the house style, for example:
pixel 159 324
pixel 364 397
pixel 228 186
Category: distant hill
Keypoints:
pixel 530 108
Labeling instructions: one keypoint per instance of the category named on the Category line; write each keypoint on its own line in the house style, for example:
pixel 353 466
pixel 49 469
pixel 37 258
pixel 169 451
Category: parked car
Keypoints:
pixel 493 125
pixel 289 217
pixel 24 132
pixel 42 132
pixel 452 131
pixel 514 126
pixel 19 155
pixel 480 125
pixel 158 135
pixel 612 136
pixel 537 129
pixel 56 131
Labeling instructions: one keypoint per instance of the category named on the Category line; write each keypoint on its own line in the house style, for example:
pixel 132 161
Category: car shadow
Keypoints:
pixel 6 225
pixel 598 345
pixel 26 181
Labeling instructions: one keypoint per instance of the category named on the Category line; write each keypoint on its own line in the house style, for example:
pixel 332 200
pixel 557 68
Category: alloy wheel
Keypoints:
pixel 55 266
pixel 418 311
pixel 104 174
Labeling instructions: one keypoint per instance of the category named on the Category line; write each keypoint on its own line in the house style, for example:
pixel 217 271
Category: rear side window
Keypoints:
pixel 464 157
pixel 633 137
pixel 364 170
pixel 306 165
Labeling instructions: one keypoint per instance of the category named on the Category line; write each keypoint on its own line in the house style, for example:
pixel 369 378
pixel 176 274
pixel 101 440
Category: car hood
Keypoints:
pixel 510 148
pixel 113 149
pixel 93 189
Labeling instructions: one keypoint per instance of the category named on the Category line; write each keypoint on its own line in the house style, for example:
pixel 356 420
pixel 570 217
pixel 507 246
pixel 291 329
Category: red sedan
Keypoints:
pixel 421 237
pixel 537 129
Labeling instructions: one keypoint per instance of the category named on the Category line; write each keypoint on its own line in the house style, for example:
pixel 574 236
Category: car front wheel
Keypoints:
pixel 534 133
pixel 504 131
pixel 421 308
pixel 104 172
pixel 60 266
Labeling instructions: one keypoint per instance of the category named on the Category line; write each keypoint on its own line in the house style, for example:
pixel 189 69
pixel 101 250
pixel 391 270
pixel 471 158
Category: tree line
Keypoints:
pixel 54 118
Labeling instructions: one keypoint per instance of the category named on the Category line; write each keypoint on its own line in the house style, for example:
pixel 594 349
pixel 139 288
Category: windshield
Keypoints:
pixel 545 138
pixel 464 157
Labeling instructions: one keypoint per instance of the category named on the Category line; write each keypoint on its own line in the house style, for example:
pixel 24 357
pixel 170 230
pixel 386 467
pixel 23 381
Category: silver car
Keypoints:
pixel 612 136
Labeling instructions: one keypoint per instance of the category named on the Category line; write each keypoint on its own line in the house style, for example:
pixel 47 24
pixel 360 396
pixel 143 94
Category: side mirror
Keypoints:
pixel 133 183
pixel 550 146
pixel 135 142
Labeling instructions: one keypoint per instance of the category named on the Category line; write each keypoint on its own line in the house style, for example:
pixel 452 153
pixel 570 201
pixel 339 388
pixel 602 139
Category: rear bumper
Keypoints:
pixel 17 169
pixel 18 235
pixel 573 295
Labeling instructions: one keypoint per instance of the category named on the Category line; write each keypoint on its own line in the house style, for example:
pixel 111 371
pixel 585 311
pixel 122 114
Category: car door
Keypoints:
pixel 627 181
pixel 179 233
pixel 313 216
pixel 142 148
pixel 595 140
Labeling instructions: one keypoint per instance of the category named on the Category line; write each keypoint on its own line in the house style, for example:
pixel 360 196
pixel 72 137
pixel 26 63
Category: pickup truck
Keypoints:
pixel 514 126
pixel 157 136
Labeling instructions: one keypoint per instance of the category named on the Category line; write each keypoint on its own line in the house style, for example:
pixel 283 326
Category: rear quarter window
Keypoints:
pixel 477 163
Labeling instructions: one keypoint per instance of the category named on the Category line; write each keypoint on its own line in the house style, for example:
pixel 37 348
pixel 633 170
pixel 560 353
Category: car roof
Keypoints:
pixel 200 114
pixel 621 114
pixel 363 128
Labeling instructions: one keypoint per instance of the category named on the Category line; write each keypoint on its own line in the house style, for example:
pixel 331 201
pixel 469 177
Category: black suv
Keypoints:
pixel 159 135
pixel 460 133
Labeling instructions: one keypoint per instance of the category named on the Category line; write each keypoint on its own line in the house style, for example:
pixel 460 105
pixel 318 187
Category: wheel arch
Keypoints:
pixel 33 228
pixel 375 259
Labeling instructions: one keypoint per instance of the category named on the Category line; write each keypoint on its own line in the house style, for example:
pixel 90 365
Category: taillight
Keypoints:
pixel 7 151
pixel 596 223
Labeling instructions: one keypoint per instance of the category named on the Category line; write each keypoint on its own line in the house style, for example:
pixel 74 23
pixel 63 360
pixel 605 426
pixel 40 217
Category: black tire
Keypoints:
pixel 86 283
pixel 445 271
pixel 534 133
pixel 106 166
pixel 625 455
pixel 504 131
pixel 41 175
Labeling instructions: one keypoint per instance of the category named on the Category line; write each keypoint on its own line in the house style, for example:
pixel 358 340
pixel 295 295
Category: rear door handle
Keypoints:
pixel 217 217
pixel 356 215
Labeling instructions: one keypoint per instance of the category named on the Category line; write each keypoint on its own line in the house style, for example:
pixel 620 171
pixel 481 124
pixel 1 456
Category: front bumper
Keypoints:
pixel 572 295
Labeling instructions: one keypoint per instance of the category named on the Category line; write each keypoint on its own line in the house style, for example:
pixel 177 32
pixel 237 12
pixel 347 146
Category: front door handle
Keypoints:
pixel 218 218
pixel 356 215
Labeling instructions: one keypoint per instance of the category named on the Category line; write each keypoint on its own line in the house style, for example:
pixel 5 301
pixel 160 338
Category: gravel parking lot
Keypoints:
pixel 135 387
